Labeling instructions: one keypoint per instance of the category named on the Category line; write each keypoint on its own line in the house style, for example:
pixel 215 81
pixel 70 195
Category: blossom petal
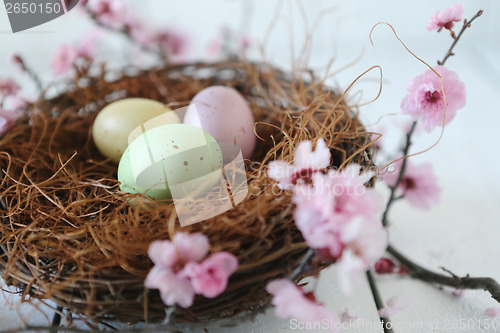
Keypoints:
pixel 191 247
pixel 493 311
pixel 305 158
pixel 163 253
pixel 290 301
pixel 282 172
pixel 351 269
pixel 210 277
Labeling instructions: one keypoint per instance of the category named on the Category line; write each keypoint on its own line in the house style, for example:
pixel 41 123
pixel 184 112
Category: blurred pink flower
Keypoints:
pixel 8 87
pixel 210 277
pixel 173 288
pixel 385 266
pixel 350 270
pixel 111 13
pixel 366 237
pixel 88 44
pixel 7 119
pixel 419 184
pixel 319 233
pixel 425 100
pixel 289 300
pixel 305 163
pixel 393 306
pixel 334 200
pixel 364 242
pixel 64 58
pixel 171 43
pixel 184 247
pixel 493 311
pixel 179 272
pixel 445 18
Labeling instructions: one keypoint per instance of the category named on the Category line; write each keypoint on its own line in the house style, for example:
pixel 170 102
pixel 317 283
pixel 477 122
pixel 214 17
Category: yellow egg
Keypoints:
pixel 115 122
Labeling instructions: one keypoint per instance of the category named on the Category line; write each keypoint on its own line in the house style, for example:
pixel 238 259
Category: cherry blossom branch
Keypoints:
pixel 125 31
pixel 466 25
pixel 378 301
pixel 467 282
pixel 392 196
pixel 19 61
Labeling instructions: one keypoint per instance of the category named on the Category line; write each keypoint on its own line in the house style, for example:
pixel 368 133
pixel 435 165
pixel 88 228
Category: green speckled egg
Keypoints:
pixel 171 155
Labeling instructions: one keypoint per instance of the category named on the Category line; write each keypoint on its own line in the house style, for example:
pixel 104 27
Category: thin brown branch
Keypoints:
pixel 378 302
pixel 125 31
pixel 392 196
pixel 466 282
pixel 466 25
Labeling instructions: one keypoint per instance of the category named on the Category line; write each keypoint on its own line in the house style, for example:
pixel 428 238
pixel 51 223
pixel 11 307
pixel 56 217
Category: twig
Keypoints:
pixel 378 302
pixel 125 31
pixel 56 320
pixel 392 196
pixel 415 270
pixel 19 61
pixel 464 27
pixel 467 282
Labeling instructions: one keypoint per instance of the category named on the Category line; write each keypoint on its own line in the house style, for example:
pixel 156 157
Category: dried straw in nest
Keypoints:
pixel 68 234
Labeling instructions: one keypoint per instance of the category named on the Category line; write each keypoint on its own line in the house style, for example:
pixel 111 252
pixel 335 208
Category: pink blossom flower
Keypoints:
pixel 318 232
pixel 173 288
pixel 8 87
pixel 333 201
pixel 88 44
pixel 364 242
pixel 64 58
pixel 184 247
pixel 337 212
pixel 419 185
pixel 169 42
pixel 351 269
pixel 289 300
pixel 385 266
pixel 494 311
pixel 393 305
pixel 7 119
pixel 446 18
pixel 425 100
pixel 210 277
pixel 305 163
pixel 179 272
pixel 111 13
pixel 366 237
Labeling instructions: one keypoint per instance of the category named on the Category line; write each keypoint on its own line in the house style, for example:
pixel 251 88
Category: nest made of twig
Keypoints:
pixel 67 233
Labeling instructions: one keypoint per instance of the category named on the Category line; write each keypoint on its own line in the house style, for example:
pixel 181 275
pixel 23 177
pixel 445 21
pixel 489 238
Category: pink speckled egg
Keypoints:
pixel 224 113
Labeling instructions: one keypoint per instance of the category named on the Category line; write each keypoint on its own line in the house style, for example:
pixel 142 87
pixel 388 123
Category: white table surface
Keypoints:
pixel 460 234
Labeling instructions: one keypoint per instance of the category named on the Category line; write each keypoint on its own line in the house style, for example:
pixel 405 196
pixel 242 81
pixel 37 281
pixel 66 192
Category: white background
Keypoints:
pixel 460 234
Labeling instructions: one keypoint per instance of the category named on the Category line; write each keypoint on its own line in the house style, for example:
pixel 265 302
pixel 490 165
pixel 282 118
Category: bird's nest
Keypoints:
pixel 68 234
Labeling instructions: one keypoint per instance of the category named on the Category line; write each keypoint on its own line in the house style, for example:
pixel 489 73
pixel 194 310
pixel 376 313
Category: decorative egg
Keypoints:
pixel 115 122
pixel 170 161
pixel 224 113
